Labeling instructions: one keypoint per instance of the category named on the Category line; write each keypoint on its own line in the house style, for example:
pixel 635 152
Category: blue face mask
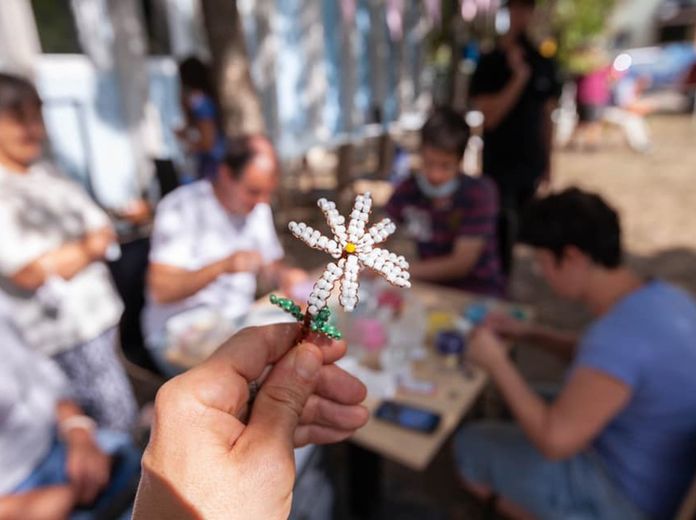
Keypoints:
pixel 437 192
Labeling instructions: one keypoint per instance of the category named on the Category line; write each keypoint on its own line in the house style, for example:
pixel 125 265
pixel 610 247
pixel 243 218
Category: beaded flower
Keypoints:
pixel 354 249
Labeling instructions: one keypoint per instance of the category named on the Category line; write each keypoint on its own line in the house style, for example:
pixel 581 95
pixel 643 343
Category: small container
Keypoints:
pixel 450 345
pixel 476 312
pixel 439 321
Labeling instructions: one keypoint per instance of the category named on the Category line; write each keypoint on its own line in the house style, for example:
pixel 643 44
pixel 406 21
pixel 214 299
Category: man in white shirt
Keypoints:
pixel 212 238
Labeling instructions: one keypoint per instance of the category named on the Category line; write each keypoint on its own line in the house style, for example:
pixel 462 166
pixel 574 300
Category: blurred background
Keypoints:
pixel 341 88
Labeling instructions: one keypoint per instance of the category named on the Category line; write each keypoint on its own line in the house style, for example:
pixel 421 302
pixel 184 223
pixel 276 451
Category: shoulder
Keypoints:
pixel 478 189
pixel 188 195
pixel 407 188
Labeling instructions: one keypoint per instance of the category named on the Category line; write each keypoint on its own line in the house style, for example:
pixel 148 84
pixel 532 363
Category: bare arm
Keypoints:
pixel 560 343
pixel 496 106
pixel 204 141
pixel 557 342
pixel 547 137
pixel 588 402
pixel 169 284
pixel 66 261
pixel 455 265
pixel 47 503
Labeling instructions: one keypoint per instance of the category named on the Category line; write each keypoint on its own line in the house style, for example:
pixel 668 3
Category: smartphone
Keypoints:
pixel 410 417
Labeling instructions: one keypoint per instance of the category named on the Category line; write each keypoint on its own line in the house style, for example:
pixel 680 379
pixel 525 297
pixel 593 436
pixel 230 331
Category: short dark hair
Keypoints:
pixel 195 74
pixel 574 218
pixel 446 130
pixel 239 152
pixel 522 3
pixel 17 94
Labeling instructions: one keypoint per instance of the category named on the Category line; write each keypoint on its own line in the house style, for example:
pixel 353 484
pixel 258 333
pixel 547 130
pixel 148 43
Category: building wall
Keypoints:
pixel 637 20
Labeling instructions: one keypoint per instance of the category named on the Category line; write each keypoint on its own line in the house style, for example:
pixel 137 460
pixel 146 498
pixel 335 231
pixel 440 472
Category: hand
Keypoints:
pixel 88 468
pixel 136 212
pixel 485 349
pixel 203 461
pixel 291 278
pixel 96 243
pixel 507 326
pixel 244 262
pixel 518 63
pixel 544 186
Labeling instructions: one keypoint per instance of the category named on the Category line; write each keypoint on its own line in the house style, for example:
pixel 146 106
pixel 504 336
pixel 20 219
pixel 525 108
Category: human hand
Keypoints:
pixel 485 349
pixel 507 326
pixel 96 243
pixel 244 262
pixel 87 467
pixel 291 278
pixel 136 212
pixel 203 461
pixel 518 63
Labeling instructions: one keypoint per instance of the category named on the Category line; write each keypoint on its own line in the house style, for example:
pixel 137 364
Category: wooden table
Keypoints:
pixel 455 394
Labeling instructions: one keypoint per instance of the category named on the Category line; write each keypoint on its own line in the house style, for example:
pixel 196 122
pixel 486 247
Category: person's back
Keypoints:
pixel 648 341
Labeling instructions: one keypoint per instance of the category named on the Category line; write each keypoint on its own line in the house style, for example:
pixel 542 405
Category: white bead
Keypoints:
pixel 332 244
pixel 313 310
pixel 323 241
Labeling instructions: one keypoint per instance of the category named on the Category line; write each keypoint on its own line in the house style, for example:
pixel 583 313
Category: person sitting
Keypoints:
pixel 619 441
pixel 54 463
pixel 451 216
pixel 53 243
pixel 211 239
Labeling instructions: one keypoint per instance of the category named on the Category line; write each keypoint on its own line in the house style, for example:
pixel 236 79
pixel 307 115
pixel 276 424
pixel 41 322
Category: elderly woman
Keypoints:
pixel 53 240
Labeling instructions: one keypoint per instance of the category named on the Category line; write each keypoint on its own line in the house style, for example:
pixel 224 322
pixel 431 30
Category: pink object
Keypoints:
pixel 301 291
pixel 593 88
pixel 391 299
pixel 369 333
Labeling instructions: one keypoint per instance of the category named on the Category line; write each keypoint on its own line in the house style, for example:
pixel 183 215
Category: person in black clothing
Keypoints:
pixel 516 89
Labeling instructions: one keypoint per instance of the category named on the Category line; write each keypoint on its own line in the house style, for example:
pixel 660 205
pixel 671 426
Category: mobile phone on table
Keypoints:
pixel 410 417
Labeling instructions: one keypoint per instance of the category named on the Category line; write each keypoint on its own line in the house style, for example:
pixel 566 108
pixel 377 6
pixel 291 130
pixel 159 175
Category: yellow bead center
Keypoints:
pixel 350 248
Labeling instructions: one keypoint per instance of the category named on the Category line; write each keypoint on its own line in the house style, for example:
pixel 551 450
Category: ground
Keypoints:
pixel 656 196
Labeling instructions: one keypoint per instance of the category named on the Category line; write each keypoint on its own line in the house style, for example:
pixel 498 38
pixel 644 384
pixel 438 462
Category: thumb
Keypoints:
pixel 282 397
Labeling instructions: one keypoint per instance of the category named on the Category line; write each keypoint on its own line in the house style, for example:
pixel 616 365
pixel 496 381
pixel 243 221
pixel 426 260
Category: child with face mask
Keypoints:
pixel 450 216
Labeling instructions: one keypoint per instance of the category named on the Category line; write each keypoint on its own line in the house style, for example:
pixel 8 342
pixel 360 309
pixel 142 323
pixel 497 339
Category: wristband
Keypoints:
pixel 74 422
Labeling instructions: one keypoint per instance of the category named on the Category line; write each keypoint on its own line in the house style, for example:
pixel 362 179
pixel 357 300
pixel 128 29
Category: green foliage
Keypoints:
pixel 576 23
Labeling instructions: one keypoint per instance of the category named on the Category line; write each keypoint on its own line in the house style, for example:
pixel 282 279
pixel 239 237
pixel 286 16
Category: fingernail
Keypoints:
pixel 307 364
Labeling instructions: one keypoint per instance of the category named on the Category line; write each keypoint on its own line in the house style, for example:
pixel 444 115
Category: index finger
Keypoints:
pixel 222 380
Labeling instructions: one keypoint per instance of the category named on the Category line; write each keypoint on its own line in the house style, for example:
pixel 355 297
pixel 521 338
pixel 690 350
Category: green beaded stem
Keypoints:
pixel 319 323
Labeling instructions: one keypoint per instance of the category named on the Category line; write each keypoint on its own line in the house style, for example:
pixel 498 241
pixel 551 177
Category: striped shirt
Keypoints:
pixel 472 211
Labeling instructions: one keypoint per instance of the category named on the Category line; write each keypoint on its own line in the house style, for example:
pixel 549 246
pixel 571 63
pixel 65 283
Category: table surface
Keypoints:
pixel 455 392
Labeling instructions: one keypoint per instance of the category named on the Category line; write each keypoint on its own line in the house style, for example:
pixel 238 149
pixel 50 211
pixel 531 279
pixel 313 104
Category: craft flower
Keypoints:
pixel 354 249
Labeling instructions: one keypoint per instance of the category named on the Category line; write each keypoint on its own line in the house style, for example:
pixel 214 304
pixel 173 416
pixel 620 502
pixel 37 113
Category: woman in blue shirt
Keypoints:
pixel 202 134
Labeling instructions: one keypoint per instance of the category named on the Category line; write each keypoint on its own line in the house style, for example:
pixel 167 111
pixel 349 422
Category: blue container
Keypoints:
pixel 449 342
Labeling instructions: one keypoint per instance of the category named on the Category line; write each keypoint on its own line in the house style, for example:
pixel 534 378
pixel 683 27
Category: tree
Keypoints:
pixel 241 109
pixel 576 23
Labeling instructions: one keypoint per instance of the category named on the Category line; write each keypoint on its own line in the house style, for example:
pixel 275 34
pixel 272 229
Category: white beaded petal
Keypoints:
pixel 353 246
